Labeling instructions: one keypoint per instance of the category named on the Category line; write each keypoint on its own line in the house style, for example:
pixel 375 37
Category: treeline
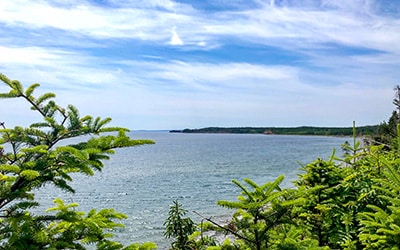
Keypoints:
pixel 303 130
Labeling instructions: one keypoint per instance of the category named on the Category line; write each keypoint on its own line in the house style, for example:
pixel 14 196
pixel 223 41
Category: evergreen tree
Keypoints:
pixel 179 227
pixel 263 219
pixel 319 181
pixel 34 156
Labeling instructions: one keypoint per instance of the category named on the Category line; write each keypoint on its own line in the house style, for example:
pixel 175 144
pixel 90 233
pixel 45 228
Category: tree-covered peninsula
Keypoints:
pixel 303 130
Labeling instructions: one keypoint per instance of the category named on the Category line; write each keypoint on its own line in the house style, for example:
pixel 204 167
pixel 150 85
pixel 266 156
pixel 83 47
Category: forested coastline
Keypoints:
pixel 302 130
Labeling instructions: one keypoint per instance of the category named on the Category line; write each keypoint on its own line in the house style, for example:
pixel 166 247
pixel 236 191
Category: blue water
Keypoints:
pixel 195 169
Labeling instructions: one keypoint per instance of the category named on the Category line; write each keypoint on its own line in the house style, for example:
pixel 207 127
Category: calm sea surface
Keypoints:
pixel 195 169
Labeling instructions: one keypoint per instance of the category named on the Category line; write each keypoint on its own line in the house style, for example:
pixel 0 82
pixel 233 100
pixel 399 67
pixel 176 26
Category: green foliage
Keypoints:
pixel 381 225
pixel 264 219
pixel 352 153
pixel 179 227
pixel 320 181
pixel 261 211
pixel 33 157
pixel 339 193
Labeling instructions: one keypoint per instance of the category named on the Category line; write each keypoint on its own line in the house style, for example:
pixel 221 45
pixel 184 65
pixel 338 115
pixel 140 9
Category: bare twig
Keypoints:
pixel 225 228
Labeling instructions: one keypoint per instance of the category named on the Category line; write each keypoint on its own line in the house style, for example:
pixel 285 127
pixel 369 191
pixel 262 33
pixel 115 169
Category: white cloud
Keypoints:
pixel 56 68
pixel 348 24
pixel 89 20
pixel 29 55
pixel 175 39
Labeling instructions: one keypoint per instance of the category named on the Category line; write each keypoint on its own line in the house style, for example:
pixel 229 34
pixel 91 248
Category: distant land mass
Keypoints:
pixel 303 130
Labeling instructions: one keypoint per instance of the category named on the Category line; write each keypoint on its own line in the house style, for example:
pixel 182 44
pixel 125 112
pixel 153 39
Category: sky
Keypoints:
pixel 163 64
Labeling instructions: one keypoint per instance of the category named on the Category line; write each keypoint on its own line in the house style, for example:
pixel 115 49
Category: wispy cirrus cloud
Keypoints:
pixel 343 22
pixel 136 22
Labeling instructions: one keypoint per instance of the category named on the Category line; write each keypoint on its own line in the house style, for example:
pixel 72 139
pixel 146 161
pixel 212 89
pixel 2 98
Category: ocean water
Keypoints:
pixel 195 169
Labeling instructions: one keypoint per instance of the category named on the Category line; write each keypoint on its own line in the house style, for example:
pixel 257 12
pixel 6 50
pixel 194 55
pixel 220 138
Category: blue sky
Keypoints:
pixel 161 64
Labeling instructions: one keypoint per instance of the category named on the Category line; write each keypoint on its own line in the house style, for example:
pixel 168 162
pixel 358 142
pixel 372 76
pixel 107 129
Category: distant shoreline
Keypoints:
pixel 302 130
